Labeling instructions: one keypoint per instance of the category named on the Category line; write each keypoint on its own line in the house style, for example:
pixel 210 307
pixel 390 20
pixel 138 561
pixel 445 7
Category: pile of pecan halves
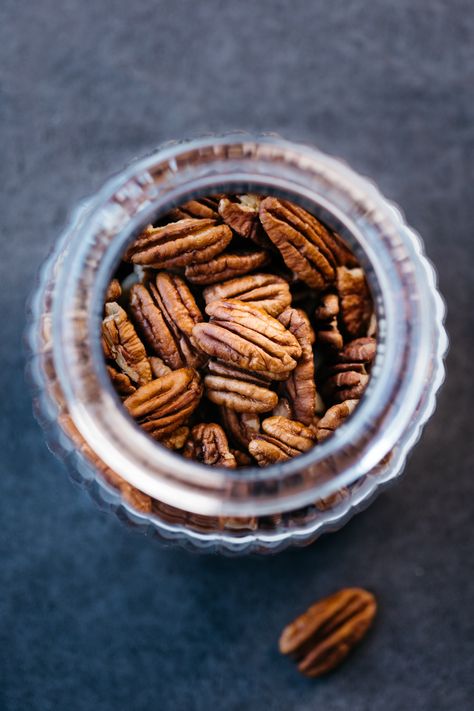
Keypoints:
pixel 239 330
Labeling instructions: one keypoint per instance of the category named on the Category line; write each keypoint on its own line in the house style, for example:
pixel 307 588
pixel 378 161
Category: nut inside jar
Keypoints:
pixel 239 330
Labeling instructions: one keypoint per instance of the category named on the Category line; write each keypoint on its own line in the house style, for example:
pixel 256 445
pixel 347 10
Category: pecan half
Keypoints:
pixel 239 395
pixel 227 265
pixel 216 367
pixel 347 377
pixel 178 244
pixel 177 439
pixel 241 214
pixel 282 408
pixel 242 426
pixel 355 301
pixel 242 458
pixel 300 386
pixel 114 291
pixel 344 381
pixel 360 350
pixel 158 367
pixel 324 635
pixel 164 404
pixel 301 240
pixel 326 322
pixel 208 444
pixel 245 336
pixel 334 417
pixel 121 382
pixel 282 440
pixel 122 344
pixel 166 313
pixel 200 208
pixel 267 291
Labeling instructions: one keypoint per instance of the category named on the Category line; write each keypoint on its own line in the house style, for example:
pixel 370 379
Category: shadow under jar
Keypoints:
pixel 210 508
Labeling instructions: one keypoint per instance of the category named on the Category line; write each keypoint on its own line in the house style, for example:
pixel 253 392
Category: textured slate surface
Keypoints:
pixel 93 616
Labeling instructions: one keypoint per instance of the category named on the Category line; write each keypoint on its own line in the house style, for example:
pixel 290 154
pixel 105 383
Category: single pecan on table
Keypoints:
pixel 322 637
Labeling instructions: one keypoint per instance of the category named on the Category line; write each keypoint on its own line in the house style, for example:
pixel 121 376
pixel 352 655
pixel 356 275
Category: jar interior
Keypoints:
pixel 141 196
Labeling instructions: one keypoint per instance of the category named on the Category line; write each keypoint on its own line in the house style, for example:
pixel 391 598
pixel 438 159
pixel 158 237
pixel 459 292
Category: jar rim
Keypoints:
pixel 147 187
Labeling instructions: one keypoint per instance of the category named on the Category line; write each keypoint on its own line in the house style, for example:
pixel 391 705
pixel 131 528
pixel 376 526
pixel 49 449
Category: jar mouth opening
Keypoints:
pixel 348 217
pixel 134 228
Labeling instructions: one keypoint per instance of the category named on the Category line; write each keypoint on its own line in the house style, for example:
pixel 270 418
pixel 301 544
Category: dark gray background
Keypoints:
pixel 93 616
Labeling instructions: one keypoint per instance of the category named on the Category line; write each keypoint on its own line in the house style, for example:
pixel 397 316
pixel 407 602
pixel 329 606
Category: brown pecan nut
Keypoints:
pixel 342 254
pixel 326 322
pixel 282 440
pixel 114 291
pixel 158 367
pixel 239 395
pixel 121 382
pixel 208 444
pixel 164 404
pixel 177 439
pixel 245 336
pixel 241 214
pixel 122 344
pixel 216 367
pixel 321 638
pixel 300 386
pixel 334 417
pixel 301 240
pixel 344 381
pixel 282 408
pixel 355 301
pixel 178 244
pixel 267 291
pixel 201 208
pixel 360 350
pixel 241 426
pixel 347 377
pixel 242 458
pixel 227 265
pixel 166 313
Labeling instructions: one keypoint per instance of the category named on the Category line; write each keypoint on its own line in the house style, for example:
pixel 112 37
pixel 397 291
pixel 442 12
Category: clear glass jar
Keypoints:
pixel 258 510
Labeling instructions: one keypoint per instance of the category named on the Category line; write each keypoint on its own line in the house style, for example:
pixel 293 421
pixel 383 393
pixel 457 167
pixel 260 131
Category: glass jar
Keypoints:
pixel 175 499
